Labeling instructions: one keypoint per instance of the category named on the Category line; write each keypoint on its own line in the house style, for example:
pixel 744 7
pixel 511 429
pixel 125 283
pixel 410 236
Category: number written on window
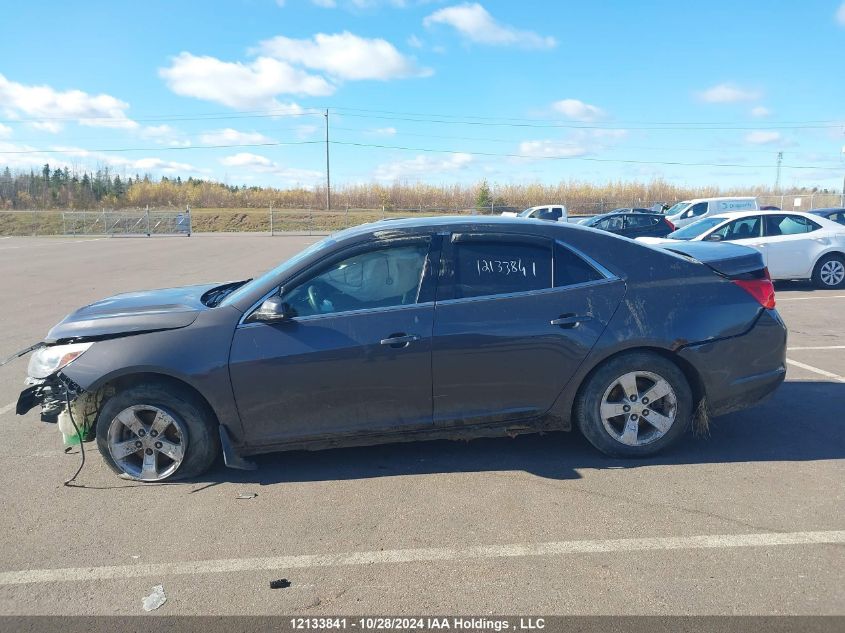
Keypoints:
pixel 506 267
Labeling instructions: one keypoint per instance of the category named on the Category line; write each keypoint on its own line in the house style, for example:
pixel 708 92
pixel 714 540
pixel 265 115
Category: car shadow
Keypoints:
pixel 796 285
pixel 799 423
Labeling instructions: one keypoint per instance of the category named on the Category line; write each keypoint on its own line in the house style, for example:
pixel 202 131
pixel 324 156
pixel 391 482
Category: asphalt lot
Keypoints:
pixel 747 521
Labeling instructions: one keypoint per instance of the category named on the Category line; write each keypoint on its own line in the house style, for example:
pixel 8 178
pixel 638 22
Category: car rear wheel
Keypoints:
pixel 830 272
pixel 634 405
pixel 155 432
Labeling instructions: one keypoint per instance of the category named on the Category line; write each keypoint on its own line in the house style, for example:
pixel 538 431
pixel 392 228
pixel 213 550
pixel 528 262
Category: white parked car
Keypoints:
pixel 690 211
pixel 794 245
pixel 551 212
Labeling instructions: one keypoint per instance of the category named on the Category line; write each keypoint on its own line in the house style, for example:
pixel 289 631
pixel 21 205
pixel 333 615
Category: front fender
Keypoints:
pixel 197 355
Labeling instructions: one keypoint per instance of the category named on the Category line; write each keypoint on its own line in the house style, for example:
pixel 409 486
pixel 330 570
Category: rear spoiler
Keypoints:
pixel 730 260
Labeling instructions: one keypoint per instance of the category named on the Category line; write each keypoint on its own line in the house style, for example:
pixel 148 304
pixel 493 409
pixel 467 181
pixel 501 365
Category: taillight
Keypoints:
pixel 761 289
pixel 671 226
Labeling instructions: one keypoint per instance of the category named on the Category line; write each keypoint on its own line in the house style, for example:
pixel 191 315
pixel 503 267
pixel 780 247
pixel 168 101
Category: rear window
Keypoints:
pixel 485 268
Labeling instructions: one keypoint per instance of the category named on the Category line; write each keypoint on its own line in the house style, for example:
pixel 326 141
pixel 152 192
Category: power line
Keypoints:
pixel 581 158
pixel 511 141
pixel 836 122
pixel 413 149
pixel 581 126
pixel 69 150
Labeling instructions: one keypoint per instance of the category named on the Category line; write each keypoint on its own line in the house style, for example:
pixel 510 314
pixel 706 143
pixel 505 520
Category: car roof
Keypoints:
pixel 451 221
pixel 733 215
pixel 828 210
pixel 721 198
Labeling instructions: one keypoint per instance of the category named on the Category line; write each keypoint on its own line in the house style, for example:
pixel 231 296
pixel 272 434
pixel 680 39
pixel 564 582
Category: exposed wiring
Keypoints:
pixel 81 441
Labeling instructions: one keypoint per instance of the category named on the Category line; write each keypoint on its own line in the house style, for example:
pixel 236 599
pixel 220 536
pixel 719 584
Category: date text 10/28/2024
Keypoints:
pixel 464 624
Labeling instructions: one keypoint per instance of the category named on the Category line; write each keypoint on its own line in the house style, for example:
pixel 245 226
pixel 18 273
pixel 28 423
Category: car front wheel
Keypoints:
pixel 156 431
pixel 830 272
pixel 634 405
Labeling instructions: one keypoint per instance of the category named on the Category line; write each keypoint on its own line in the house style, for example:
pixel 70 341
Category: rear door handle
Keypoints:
pixel 569 320
pixel 399 340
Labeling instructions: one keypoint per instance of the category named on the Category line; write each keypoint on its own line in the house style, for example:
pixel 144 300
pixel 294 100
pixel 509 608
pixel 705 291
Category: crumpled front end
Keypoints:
pixel 64 403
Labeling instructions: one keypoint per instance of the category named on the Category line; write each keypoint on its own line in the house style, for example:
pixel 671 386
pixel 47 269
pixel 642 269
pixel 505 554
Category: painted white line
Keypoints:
pixel 816 370
pixel 9 407
pixel 779 299
pixel 789 349
pixel 228 565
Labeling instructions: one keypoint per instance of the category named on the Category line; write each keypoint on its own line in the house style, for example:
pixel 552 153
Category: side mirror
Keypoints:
pixel 273 310
pixel 714 237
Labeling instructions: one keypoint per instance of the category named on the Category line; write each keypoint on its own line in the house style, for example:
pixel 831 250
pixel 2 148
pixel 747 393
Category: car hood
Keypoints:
pixel 133 313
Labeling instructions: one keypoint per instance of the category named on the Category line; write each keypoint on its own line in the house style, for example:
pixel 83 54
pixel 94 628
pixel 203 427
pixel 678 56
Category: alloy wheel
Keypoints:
pixel 832 272
pixel 638 408
pixel 147 442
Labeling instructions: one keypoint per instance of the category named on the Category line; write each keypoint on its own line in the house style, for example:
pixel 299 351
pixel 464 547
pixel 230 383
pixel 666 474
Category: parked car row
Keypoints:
pixel 794 245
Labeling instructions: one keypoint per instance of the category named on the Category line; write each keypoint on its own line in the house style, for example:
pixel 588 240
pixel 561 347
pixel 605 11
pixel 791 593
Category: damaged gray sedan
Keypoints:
pixel 417 329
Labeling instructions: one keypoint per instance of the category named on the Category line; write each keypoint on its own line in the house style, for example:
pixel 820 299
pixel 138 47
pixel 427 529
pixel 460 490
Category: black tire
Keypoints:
pixel 197 424
pixel 817 278
pixel 589 399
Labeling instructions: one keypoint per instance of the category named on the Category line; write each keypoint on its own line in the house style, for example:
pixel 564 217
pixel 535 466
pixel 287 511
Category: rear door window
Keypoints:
pixel 789 225
pixel 492 266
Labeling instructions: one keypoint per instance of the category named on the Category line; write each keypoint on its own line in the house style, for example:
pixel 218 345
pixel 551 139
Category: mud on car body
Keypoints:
pixel 418 329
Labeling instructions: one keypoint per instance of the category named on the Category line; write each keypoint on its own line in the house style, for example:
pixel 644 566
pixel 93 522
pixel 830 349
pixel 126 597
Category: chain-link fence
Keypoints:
pixel 294 220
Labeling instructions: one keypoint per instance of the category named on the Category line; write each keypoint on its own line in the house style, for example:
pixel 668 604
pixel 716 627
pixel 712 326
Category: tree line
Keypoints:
pixel 62 188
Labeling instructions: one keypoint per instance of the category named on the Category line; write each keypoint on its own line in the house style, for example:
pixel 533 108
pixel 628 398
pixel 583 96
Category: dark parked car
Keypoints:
pixel 835 214
pixel 418 329
pixel 631 224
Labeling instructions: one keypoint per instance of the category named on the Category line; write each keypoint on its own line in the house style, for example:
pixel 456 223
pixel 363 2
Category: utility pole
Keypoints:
pixel 328 173
pixel 777 177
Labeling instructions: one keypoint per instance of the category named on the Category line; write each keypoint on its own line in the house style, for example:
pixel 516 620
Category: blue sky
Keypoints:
pixel 428 90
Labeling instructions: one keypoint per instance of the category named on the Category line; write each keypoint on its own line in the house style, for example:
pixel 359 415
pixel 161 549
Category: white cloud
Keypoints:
pixel 476 24
pixel 548 148
pixel 578 110
pixel 256 164
pixel 229 136
pixel 246 159
pixel 763 137
pixel 385 131
pixel 165 135
pixel 150 164
pixel 760 112
pixel 243 86
pixel 727 93
pixel 57 107
pixel 5 131
pixel 344 56
pixel 840 14
pixel 421 167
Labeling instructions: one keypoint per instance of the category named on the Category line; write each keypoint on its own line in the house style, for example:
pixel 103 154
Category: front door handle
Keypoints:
pixel 569 320
pixel 399 340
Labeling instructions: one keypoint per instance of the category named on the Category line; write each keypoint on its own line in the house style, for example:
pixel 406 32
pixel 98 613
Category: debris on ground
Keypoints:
pixel 247 495
pixel 282 583
pixel 155 599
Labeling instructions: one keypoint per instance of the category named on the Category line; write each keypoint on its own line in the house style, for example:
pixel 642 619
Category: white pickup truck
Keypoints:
pixel 550 212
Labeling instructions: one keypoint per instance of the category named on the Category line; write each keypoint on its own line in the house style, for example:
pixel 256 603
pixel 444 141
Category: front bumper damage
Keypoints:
pixel 54 394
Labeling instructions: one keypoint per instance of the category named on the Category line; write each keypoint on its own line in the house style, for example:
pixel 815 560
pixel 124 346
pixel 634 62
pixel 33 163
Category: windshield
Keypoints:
pixel 692 231
pixel 677 208
pixel 526 213
pixel 275 272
